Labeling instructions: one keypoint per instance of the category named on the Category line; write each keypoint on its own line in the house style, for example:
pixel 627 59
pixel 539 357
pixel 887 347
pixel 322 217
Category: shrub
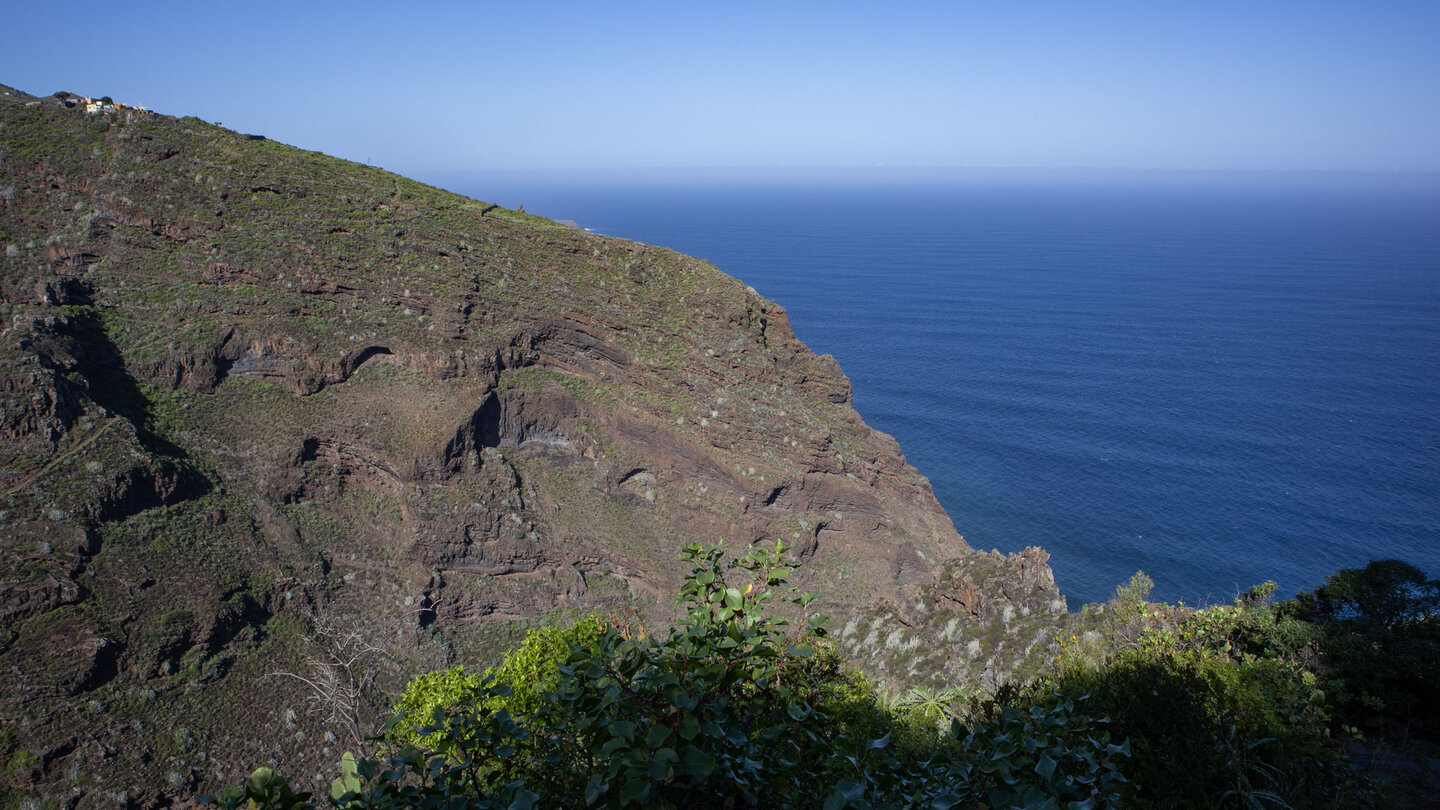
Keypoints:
pixel 528 672
pixel 1384 592
pixel 532 670
pixel 1044 755
pixel 444 691
pixel 739 707
pixel 1212 723
pixel 736 707
pixel 727 709
pixel 1376 632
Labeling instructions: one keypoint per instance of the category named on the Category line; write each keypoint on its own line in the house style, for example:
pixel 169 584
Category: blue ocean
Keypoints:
pixel 1216 379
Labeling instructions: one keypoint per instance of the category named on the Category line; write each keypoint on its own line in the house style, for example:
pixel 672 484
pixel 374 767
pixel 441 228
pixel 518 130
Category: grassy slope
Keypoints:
pixel 234 373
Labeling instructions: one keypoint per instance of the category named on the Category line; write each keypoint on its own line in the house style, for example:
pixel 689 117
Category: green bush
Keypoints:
pixel 1219 708
pixel 739 707
pixel 1376 634
pixel 528 672
pixel 734 707
pixel 533 669
pixel 1050 755
pixel 729 708
pixel 1200 724
pixel 444 691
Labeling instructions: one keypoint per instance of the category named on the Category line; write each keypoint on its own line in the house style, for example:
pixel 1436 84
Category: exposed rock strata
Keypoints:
pixel 247 391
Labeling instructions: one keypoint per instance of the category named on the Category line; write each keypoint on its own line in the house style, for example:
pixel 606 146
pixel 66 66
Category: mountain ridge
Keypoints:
pixel 249 393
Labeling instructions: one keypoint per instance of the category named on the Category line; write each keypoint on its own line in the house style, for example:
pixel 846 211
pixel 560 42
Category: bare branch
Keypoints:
pixel 338 669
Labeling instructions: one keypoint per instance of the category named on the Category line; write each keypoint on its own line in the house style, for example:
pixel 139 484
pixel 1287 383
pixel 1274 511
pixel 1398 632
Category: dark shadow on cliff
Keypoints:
pixel 111 386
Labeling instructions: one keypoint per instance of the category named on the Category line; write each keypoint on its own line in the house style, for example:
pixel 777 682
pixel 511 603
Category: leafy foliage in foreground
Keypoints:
pixel 1209 724
pixel 1376 633
pixel 739 707
pixel 1242 705
pixel 736 707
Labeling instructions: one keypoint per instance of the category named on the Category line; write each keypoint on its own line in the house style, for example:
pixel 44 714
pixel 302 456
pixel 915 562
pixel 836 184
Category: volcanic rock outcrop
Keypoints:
pixel 258 404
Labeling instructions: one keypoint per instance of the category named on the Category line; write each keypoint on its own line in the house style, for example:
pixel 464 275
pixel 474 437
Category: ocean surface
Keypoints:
pixel 1217 379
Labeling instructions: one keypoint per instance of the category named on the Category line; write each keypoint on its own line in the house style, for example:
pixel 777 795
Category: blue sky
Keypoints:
pixel 617 85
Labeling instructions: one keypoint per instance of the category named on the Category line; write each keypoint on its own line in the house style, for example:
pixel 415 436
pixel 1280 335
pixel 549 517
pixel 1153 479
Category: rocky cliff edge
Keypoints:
pixel 256 401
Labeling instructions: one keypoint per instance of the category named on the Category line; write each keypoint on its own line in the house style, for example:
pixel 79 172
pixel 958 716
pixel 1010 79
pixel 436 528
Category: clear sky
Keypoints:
pixel 427 87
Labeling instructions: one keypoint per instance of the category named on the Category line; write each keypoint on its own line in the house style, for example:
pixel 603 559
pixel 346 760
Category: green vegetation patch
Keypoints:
pixel 1146 706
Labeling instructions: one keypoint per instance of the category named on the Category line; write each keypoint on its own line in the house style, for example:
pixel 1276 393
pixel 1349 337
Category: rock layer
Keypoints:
pixel 248 392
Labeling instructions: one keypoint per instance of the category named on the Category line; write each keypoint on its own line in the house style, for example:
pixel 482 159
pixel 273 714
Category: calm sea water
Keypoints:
pixel 1218 381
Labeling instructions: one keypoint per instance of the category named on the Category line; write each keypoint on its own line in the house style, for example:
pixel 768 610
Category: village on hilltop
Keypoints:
pixel 94 105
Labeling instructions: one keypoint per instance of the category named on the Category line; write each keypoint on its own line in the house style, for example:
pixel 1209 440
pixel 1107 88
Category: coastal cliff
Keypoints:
pixel 255 399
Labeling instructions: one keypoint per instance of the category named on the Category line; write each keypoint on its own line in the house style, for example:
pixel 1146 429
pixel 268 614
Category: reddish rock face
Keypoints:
pixel 257 382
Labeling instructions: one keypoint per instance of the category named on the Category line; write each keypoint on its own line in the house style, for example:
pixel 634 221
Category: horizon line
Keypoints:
pixel 910 167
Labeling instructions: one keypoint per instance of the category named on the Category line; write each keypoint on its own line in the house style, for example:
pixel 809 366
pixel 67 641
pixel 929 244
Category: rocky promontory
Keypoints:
pixel 261 409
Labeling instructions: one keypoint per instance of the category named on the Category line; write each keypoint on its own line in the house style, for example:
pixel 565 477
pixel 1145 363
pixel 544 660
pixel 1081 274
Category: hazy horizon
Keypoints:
pixel 652 86
pixel 929 174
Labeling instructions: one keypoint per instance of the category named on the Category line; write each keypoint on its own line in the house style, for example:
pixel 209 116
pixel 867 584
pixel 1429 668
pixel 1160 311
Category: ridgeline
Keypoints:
pixel 261 407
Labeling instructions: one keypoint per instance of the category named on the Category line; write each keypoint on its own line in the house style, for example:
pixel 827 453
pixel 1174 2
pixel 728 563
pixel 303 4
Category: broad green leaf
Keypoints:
pixel 689 726
pixel 634 791
pixel 656 736
pixel 659 769
pixel 846 793
pixel 524 800
pixel 593 788
pixel 1045 766
pixel 946 800
pixel 695 764
pixel 262 780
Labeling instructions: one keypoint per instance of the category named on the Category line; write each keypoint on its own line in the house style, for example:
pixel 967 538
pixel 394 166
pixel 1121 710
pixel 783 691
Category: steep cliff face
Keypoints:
pixel 247 390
